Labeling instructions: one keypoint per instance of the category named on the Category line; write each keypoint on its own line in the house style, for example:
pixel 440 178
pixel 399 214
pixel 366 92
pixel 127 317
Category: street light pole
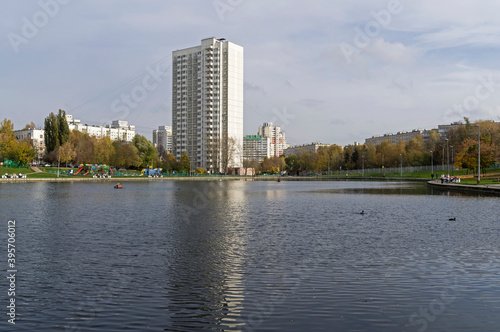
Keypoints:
pixel 442 159
pixel 452 162
pixel 328 164
pixel 432 166
pixel 59 162
pixel 478 154
pixel 363 165
pixel 448 158
pixel 401 164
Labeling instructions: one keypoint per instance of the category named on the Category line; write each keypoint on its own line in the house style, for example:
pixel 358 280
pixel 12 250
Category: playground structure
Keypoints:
pixel 95 170
pixel 152 172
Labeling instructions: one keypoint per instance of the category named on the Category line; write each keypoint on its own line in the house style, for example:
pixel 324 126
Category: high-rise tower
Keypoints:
pixel 207 104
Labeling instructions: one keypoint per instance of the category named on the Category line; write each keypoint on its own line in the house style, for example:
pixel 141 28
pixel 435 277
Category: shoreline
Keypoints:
pixel 221 178
pixel 435 184
pixel 492 189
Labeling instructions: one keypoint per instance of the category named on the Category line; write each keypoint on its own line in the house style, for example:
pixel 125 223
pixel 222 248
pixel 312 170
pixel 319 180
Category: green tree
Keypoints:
pixel 7 139
pixel 292 163
pixel 67 153
pixel 84 147
pixel 30 126
pixel 252 164
pixel 63 127
pixel 147 151
pixel 21 152
pixel 51 132
pixel 169 163
pixel 25 152
pixel 272 165
pixel 125 155
pixel 184 162
pixel 103 150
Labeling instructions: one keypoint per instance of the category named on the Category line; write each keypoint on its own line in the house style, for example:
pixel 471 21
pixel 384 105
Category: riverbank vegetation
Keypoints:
pixel 460 150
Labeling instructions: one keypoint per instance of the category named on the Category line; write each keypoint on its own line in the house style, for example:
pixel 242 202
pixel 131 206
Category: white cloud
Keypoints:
pixel 395 54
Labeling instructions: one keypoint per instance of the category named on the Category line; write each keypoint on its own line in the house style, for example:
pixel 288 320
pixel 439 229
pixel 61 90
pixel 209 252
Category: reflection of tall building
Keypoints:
pixel 277 137
pixel 162 138
pixel 206 271
pixel 207 103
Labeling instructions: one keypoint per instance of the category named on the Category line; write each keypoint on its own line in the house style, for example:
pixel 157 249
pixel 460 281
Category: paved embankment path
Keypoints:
pixel 493 189
pixel 225 178
pixel 36 169
pixel 116 180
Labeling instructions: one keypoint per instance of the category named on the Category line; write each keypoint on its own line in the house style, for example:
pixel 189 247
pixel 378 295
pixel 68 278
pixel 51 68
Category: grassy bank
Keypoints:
pixel 51 172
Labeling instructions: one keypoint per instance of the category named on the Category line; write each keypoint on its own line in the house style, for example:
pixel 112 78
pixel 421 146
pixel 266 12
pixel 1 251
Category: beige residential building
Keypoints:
pixel 301 149
pixel 118 130
pixel 404 136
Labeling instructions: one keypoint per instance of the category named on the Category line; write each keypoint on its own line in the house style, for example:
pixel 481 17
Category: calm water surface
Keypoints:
pixel 262 256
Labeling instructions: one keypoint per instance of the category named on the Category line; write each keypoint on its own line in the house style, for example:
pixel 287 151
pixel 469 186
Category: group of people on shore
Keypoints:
pixel 14 176
pixel 103 176
pixel 449 179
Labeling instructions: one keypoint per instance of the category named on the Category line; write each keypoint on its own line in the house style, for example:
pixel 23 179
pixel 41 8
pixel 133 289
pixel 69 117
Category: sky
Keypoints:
pixel 335 72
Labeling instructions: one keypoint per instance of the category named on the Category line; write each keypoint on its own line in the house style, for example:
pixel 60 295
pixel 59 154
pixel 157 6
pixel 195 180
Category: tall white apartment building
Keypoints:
pixel 162 138
pixel 277 137
pixel 207 104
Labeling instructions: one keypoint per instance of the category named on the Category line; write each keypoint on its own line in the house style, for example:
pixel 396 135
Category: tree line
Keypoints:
pixel 461 148
pixel 20 152
pixel 81 148
pixel 462 141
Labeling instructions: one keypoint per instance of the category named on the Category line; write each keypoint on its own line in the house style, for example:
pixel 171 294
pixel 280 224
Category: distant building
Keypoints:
pixel 256 147
pixel 443 129
pixel 162 138
pixel 406 136
pixel 277 137
pixel 37 138
pixel 301 149
pixel 118 130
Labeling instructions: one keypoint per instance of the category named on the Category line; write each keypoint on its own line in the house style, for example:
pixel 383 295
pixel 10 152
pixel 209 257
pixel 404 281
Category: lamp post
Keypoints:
pixel 363 164
pixel 452 161
pixel 442 159
pixel 328 164
pixel 478 154
pixel 432 166
pixel 59 162
pixel 383 164
pixel 448 157
pixel 401 164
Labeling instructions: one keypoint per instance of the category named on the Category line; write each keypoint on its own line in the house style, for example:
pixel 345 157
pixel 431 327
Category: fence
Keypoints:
pixel 404 169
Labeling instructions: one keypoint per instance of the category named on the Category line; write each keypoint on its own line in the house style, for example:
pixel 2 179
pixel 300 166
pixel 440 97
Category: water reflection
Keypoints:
pixel 206 270
pixel 254 255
